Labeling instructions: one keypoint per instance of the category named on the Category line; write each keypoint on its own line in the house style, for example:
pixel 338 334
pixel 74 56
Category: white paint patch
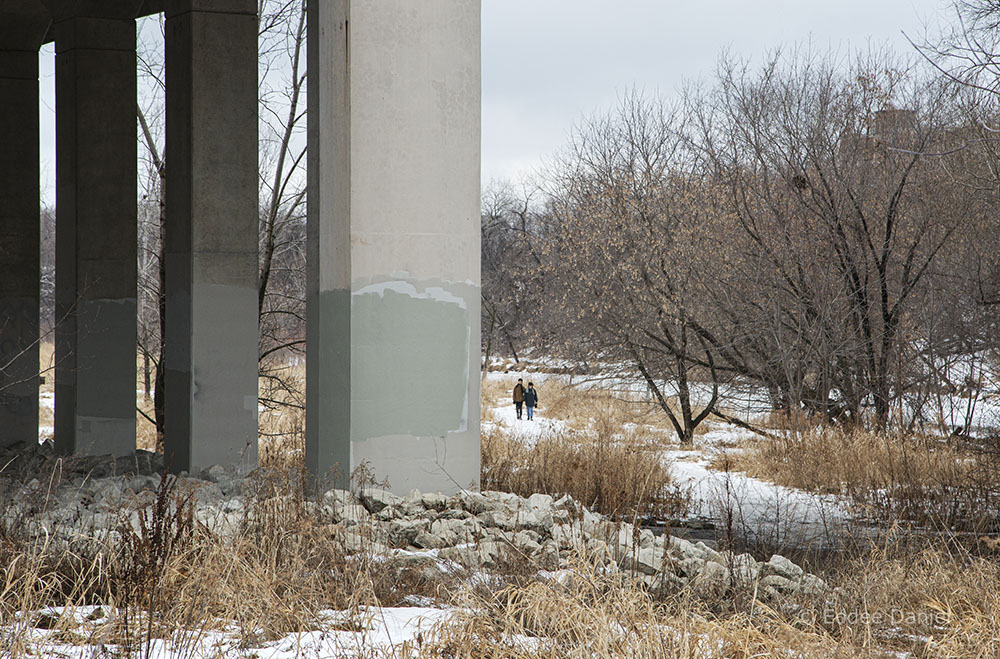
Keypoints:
pixel 405 288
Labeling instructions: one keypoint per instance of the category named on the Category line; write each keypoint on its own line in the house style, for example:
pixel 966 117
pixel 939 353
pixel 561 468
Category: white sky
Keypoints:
pixel 549 63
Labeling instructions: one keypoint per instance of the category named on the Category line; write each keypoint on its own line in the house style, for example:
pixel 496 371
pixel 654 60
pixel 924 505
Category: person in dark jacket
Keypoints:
pixel 531 400
pixel 519 396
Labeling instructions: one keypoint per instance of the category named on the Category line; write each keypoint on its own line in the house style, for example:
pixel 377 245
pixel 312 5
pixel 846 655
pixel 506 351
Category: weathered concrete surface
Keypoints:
pixel 95 226
pixel 23 24
pixel 211 339
pixel 393 321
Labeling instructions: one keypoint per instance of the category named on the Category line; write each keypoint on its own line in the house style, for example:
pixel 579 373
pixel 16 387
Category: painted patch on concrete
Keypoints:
pixel 410 363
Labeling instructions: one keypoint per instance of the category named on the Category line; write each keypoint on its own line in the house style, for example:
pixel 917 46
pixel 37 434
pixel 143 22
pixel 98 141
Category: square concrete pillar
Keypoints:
pixel 95 226
pixel 393 241
pixel 22 27
pixel 210 404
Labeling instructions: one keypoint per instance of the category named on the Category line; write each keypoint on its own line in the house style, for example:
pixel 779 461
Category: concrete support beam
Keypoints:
pixel 95 226
pixel 212 249
pixel 393 240
pixel 23 24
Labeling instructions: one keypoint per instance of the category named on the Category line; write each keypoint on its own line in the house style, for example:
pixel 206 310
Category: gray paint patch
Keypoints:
pixel 328 387
pixel 410 363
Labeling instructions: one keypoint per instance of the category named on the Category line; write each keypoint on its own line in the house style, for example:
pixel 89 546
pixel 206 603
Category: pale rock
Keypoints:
pixel 548 558
pixel 565 503
pixel 561 516
pixel 218 522
pixel 143 483
pixel 564 535
pixel 389 513
pixel 682 547
pixel 232 505
pixel 434 501
pixel 690 566
pixel 456 531
pixel 376 499
pixel 402 532
pixel 625 539
pixel 527 542
pixel 542 501
pixel 428 540
pixel 598 551
pixel 646 560
pixel 662 582
pixel 473 556
pixel 596 526
pixel 506 499
pixel 812 585
pixel 712 579
pixel 455 513
pixel 342 505
pixel 707 553
pixel 474 502
pixel 783 567
pixel 779 583
pixel 412 504
pixel 213 474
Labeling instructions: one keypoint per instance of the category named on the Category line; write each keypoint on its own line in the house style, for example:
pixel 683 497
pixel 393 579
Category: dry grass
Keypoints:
pixel 286 565
pixel 165 572
pixel 890 477
pixel 929 603
pixel 286 562
pixel 938 601
pixel 620 479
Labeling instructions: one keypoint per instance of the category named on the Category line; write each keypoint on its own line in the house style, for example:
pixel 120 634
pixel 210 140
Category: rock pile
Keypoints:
pixel 425 531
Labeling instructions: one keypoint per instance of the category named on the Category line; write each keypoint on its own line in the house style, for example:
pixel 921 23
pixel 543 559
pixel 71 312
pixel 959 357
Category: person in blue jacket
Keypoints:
pixel 530 400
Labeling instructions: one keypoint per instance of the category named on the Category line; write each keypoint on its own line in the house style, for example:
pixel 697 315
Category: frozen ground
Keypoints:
pixel 761 511
pixel 735 502
pixel 365 633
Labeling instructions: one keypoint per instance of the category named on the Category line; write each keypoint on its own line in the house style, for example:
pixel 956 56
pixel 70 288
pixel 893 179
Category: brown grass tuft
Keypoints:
pixel 921 480
pixel 619 478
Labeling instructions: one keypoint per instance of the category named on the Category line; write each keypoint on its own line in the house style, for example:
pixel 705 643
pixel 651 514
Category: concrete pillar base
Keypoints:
pixel 393 244
pixel 22 27
pixel 95 230
pixel 210 408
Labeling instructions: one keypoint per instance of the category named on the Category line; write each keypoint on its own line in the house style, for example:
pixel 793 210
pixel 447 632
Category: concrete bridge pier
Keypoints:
pixel 212 235
pixel 393 241
pixel 22 29
pixel 95 225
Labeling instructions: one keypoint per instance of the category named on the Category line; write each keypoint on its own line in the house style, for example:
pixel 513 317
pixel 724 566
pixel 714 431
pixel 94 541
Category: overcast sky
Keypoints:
pixel 549 63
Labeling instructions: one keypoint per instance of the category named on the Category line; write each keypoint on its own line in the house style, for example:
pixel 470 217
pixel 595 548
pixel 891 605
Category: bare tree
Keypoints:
pixel 828 172
pixel 620 249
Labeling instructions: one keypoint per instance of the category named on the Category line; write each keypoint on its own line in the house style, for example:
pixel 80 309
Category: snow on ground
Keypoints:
pixel 734 501
pixel 505 416
pixel 761 511
pixel 368 632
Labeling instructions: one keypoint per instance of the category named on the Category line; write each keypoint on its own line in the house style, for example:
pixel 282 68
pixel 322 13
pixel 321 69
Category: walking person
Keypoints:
pixel 519 396
pixel 531 400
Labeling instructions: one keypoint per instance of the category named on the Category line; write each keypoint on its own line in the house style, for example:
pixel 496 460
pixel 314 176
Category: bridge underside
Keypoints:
pixel 393 233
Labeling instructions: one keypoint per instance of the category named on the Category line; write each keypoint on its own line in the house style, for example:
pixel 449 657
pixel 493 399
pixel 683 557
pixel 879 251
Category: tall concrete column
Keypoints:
pixel 22 27
pixel 211 316
pixel 393 241
pixel 95 225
